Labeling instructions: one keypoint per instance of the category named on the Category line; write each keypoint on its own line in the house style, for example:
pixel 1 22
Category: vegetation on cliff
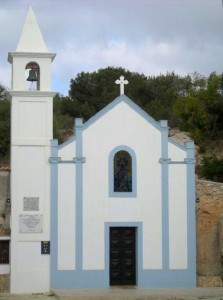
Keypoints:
pixel 193 103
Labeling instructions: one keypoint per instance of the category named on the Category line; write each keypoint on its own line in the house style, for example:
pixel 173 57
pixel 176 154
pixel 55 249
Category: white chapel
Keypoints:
pixel 114 205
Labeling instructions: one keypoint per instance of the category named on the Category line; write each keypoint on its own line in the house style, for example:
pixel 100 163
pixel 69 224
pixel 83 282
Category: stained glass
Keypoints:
pixel 122 172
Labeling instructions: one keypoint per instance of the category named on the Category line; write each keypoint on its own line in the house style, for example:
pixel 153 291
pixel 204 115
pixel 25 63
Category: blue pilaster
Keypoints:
pixel 54 209
pixel 165 193
pixel 191 225
pixel 79 194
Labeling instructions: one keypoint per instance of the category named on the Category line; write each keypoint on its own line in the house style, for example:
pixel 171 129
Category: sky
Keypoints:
pixel 146 36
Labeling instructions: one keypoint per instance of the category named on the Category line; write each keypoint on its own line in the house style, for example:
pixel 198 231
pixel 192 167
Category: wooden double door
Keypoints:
pixel 122 255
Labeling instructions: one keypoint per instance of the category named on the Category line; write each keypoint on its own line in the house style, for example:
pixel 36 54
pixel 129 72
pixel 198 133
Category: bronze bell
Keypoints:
pixel 32 76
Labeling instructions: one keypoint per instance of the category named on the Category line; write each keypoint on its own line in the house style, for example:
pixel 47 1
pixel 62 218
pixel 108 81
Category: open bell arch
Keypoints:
pixel 32 76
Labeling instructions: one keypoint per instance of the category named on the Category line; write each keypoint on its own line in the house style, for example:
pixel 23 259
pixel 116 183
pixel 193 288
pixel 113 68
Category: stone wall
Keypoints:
pixel 4 206
pixel 209 214
pixel 4 283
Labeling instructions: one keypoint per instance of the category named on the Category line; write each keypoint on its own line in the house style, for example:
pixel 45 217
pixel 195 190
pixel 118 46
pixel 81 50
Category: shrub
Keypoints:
pixel 212 168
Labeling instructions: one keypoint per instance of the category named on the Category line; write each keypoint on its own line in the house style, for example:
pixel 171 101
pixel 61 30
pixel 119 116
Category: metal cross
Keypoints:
pixel 122 82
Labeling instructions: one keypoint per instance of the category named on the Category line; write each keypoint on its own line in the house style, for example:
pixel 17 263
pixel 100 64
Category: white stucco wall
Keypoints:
pixel 30 269
pixel 66 216
pixel 29 178
pixel 115 129
pixel 31 131
pixel 174 152
pixel 178 216
pixel 68 151
pixel 66 208
pixel 177 208
pixel 99 139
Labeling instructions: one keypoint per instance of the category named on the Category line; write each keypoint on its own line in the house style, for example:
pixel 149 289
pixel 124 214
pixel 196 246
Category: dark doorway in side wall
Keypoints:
pixel 122 255
pixel 4 252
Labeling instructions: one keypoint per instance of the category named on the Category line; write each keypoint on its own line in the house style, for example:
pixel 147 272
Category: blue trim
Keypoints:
pixel 130 103
pixel 53 213
pixel 191 217
pixel 58 160
pixel 165 195
pixel 177 162
pixel 54 160
pixel 111 173
pixel 79 194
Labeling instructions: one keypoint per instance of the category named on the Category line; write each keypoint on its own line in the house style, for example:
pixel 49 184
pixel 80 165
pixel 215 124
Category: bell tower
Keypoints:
pixel 31 131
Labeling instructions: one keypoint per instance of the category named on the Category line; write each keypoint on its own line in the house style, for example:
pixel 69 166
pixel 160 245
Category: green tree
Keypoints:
pixel 200 111
pixel 214 105
pixel 93 91
pixel 4 124
pixel 164 90
pixel 2 92
pixel 63 114
pixel 155 94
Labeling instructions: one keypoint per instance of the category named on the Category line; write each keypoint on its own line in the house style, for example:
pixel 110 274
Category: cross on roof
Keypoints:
pixel 122 82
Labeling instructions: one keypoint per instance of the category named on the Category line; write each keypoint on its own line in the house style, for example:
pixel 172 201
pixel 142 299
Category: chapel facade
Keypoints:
pixel 114 205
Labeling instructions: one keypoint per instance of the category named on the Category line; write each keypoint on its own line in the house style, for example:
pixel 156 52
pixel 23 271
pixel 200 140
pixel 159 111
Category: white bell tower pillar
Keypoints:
pixel 31 131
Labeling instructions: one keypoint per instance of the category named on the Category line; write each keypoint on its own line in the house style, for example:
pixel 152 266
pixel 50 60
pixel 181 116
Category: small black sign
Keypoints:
pixel 45 247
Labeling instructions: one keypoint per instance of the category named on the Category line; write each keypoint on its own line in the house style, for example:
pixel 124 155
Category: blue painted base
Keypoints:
pixel 167 279
pixel 146 279
pixel 79 279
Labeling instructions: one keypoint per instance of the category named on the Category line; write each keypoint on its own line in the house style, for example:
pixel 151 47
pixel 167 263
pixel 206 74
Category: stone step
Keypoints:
pixel 215 293
pixel 39 296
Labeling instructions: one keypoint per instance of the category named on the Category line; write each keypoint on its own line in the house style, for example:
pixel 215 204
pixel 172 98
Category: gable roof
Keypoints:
pixel 130 103
pixel 106 109
pixel 134 106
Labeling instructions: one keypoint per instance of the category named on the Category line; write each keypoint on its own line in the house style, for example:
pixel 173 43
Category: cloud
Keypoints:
pixel 149 36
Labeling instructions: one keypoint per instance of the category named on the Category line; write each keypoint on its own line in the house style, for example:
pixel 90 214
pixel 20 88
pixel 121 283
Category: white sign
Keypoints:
pixel 31 203
pixel 31 223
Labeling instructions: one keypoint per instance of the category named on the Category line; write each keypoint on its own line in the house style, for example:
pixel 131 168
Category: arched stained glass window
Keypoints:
pixel 122 172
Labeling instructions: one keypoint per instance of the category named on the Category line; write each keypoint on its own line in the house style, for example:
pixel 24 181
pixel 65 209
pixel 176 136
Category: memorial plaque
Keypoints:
pixel 31 223
pixel 45 247
pixel 31 203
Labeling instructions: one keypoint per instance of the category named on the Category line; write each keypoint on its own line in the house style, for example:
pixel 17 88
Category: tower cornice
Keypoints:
pixel 11 93
pixel 31 55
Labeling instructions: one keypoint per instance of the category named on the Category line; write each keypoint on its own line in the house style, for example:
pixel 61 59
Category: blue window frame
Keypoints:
pixel 122 172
